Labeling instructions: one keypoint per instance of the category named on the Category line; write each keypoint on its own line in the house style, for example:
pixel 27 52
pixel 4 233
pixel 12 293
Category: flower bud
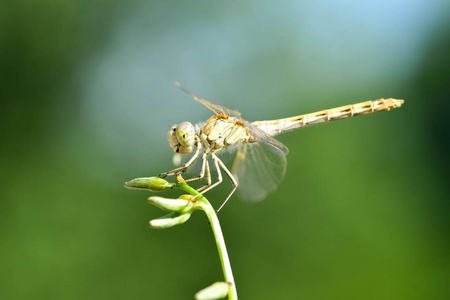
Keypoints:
pixel 154 184
pixel 217 290
pixel 173 205
pixel 169 221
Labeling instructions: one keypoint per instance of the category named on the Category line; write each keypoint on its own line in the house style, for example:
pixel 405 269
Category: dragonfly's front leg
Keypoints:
pixel 184 168
pixel 205 166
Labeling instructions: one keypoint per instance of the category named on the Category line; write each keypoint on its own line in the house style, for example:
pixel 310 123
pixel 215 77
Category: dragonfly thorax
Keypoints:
pixel 221 132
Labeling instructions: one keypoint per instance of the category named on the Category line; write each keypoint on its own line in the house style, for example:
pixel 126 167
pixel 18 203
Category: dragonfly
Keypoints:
pixel 260 162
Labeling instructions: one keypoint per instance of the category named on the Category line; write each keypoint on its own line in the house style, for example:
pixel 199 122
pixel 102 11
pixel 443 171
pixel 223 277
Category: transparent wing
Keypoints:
pixel 264 138
pixel 259 167
pixel 217 108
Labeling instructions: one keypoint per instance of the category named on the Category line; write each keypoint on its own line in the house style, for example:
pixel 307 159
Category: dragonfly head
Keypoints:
pixel 182 137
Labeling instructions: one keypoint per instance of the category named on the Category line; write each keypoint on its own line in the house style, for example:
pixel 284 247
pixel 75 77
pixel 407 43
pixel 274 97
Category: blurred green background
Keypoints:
pixel 87 99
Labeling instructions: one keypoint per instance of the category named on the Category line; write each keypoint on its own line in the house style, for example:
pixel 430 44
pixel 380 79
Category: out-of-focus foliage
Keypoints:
pixel 87 98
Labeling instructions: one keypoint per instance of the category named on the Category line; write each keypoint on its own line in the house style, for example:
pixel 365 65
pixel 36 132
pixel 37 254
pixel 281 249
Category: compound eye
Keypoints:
pixel 185 134
pixel 173 141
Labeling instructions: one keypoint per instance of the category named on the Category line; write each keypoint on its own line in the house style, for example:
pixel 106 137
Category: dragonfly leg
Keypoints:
pixel 219 164
pixel 233 180
pixel 210 186
pixel 208 178
pixel 202 172
pixel 184 168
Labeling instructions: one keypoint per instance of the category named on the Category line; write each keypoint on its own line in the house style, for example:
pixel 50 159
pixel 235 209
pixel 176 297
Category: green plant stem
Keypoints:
pixel 222 249
pixel 218 235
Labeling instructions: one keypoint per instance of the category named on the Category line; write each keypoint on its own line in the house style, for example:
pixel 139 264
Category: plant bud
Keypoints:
pixel 173 205
pixel 168 221
pixel 217 290
pixel 154 184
